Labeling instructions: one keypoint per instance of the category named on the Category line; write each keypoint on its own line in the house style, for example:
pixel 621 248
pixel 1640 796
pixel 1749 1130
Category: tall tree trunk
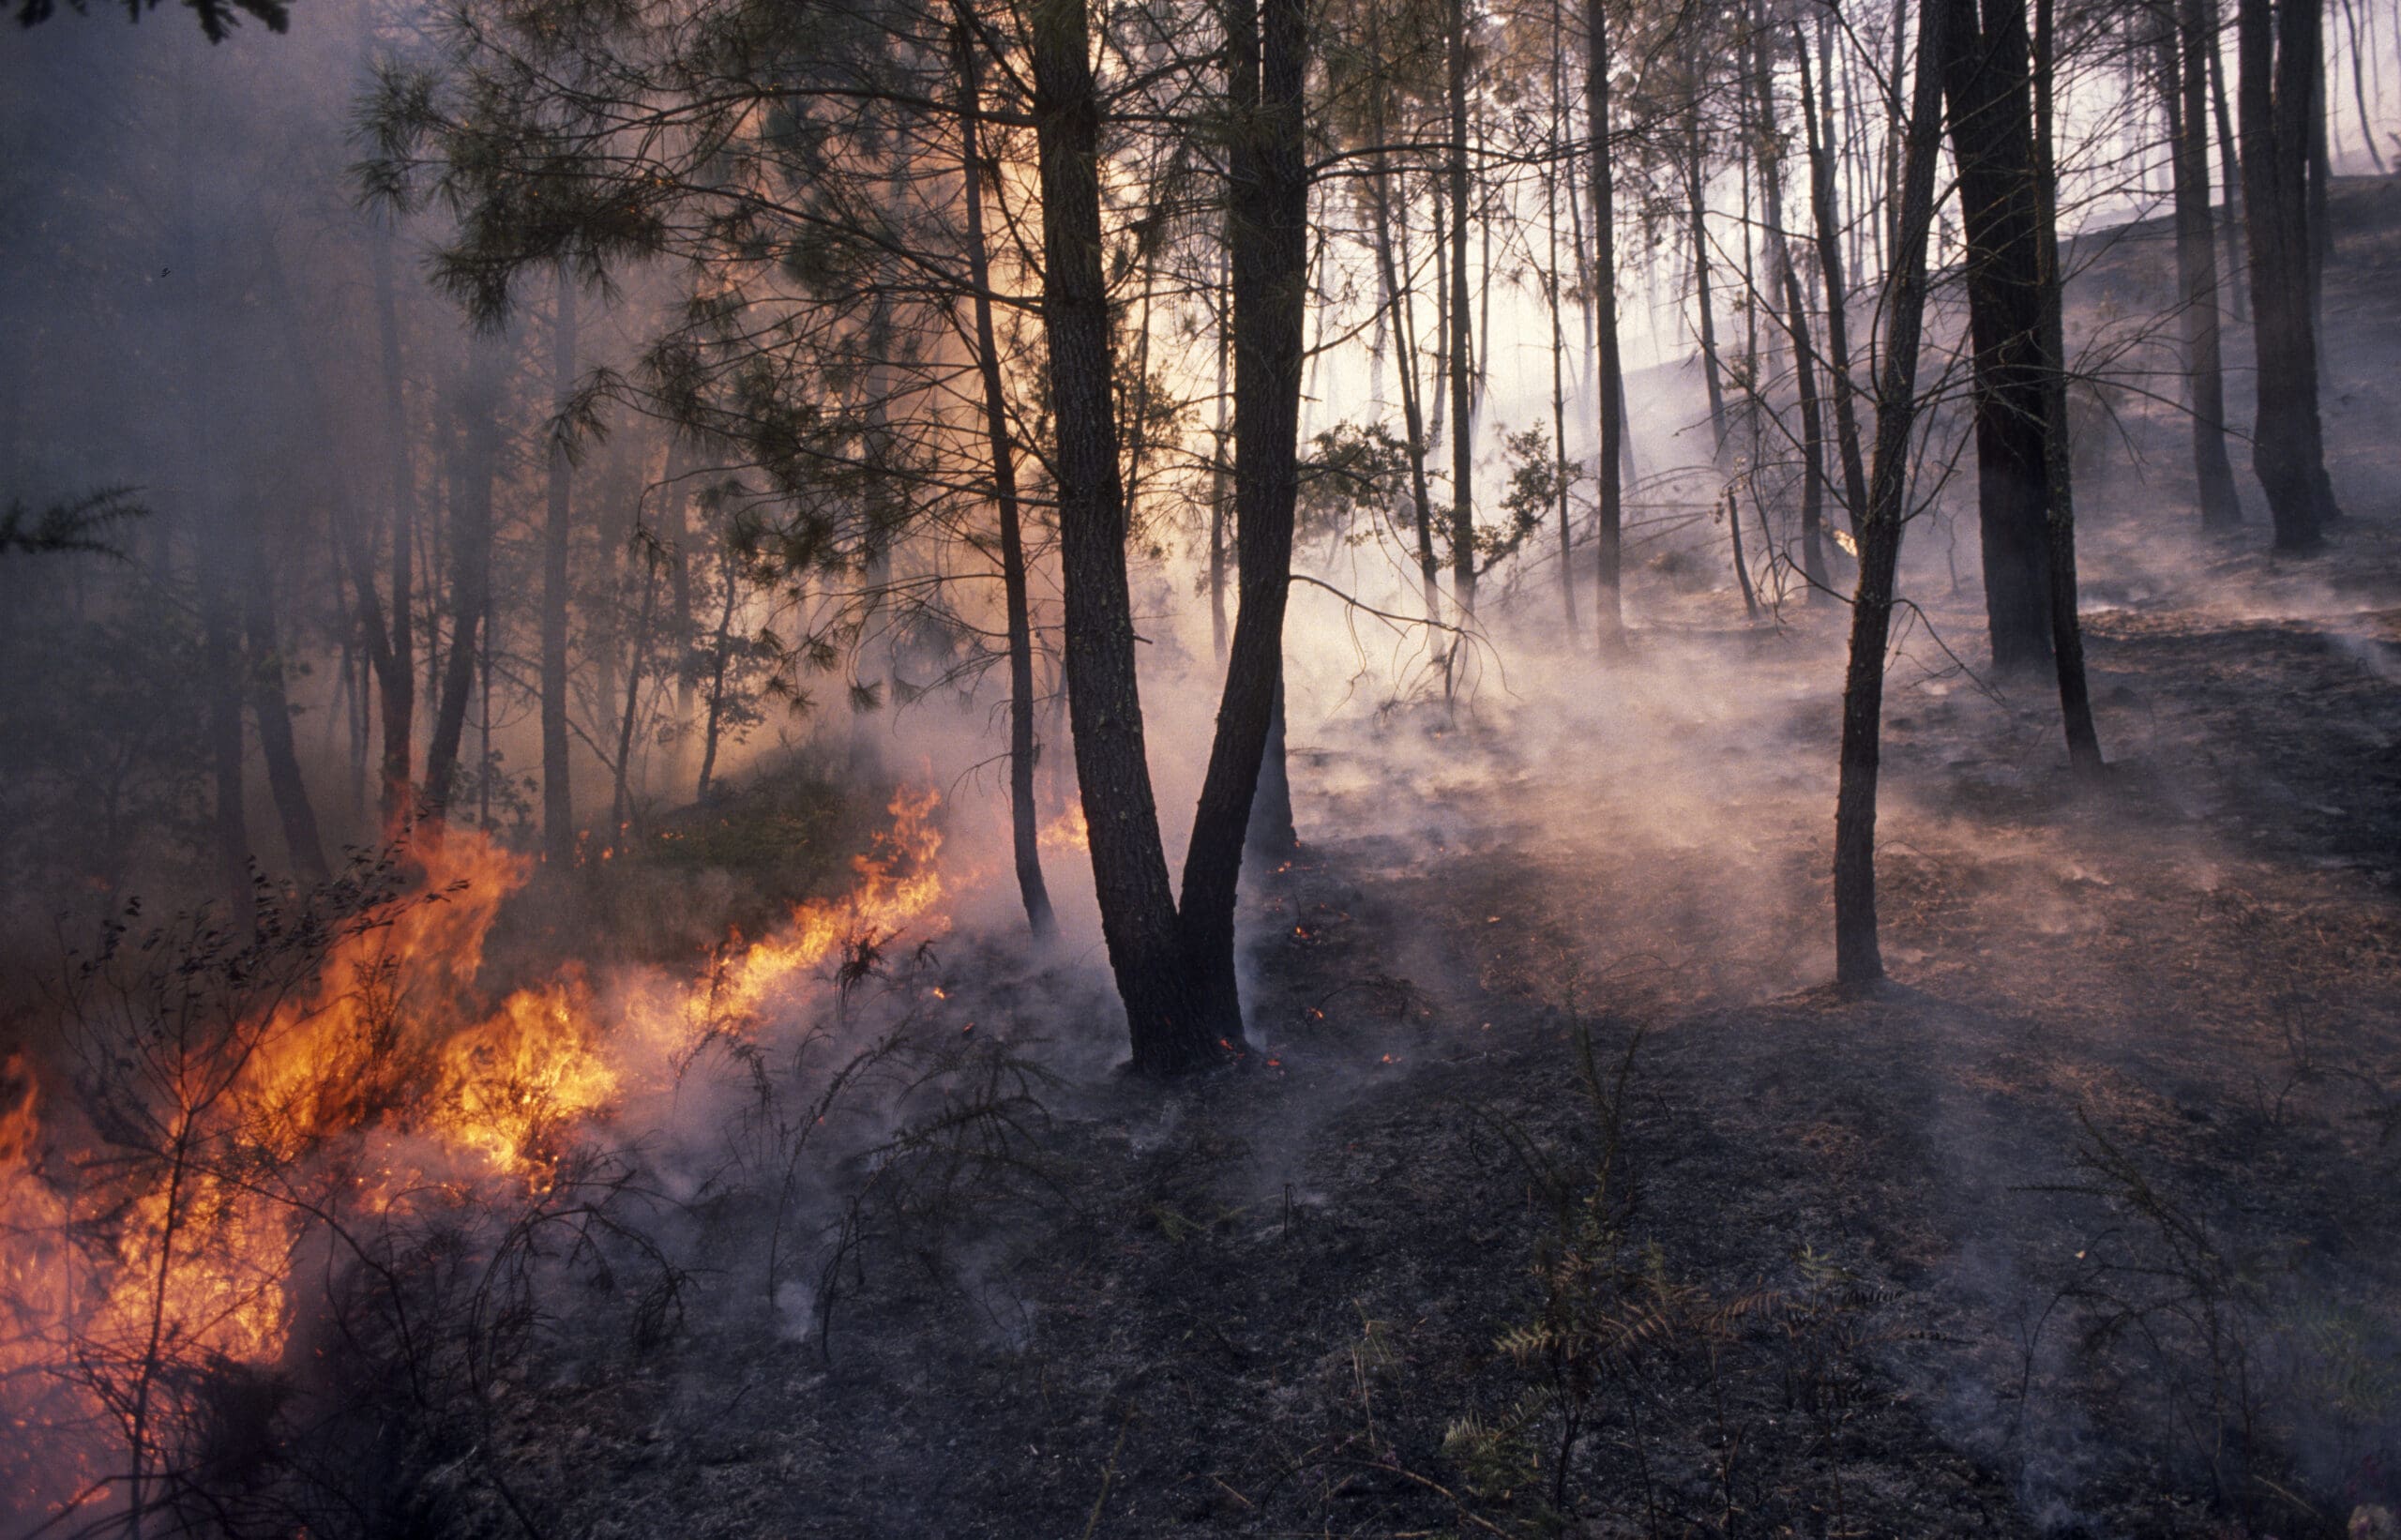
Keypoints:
pixel 392 647
pixel 1023 833
pixel 1439 231
pixel 1463 336
pixel 1555 279
pixel 2067 629
pixel 1609 609
pixel 2277 88
pixel 1985 83
pixel 1271 836
pixel 2321 230
pixel 470 553
pixel 678 534
pixel 1818 114
pixel 1858 956
pixel 1220 463
pixel 1267 196
pixel 1171 1029
pixel 1696 203
pixel 2229 169
pixel 1787 280
pixel 1754 366
pixel 271 708
pixel 721 658
pixel 1896 133
pixel 2184 84
pixel 558 794
pixel 1741 568
pixel 1404 331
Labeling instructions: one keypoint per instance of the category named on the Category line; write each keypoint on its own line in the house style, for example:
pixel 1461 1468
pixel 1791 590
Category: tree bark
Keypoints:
pixel 1267 192
pixel 392 647
pixel 1696 224
pixel 1462 334
pixel 1552 179
pixel 1220 464
pixel 1170 1028
pixel 1404 332
pixel 637 655
pixel 1815 114
pixel 1024 834
pixel 1858 954
pixel 1741 568
pixel 2276 85
pixel 470 542
pixel 1786 281
pixel 2184 85
pixel 558 794
pixel 1985 83
pixel 2229 169
pixel 2067 629
pixel 271 708
pixel 1609 609
pixel 678 534
pixel 721 655
pixel 1272 836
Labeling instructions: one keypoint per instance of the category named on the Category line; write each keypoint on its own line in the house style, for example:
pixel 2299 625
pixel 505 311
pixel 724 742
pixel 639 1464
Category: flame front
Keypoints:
pixel 1069 831
pixel 381 1077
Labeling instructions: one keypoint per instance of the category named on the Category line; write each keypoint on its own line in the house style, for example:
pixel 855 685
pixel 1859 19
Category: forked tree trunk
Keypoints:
pixel 1858 954
pixel 1267 196
pixel 1171 1029
pixel 1024 836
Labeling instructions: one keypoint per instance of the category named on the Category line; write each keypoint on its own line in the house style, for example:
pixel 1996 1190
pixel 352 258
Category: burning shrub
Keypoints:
pixel 312 1205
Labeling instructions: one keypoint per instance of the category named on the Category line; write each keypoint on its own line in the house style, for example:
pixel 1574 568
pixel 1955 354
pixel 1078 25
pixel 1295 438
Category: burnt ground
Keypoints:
pixel 2086 1223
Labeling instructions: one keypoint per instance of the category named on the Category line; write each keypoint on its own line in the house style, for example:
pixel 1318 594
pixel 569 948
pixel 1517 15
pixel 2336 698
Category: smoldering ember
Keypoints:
pixel 1187 768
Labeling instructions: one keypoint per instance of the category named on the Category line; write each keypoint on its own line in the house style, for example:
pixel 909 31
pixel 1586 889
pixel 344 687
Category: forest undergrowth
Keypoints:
pixel 1557 1150
pixel 1557 1194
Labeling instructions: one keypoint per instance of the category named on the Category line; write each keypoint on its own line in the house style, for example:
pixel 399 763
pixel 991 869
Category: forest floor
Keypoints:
pixel 2089 1222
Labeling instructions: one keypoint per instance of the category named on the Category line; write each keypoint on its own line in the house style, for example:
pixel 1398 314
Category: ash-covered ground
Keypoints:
pixel 1553 1145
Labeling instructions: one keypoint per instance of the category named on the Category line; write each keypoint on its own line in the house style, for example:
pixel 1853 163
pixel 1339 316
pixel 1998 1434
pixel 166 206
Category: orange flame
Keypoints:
pixel 384 1058
pixel 1066 832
